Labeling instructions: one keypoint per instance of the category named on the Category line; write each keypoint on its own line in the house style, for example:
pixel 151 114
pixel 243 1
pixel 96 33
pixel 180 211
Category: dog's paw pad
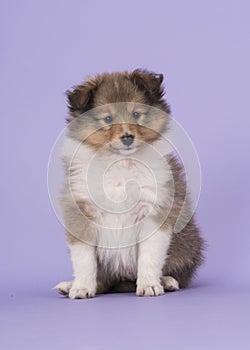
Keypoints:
pixel 170 284
pixel 150 291
pixel 83 293
pixel 64 287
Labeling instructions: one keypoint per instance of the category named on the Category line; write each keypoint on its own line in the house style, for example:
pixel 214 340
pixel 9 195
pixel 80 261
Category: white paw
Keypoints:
pixel 64 287
pixel 169 283
pixel 149 290
pixel 82 293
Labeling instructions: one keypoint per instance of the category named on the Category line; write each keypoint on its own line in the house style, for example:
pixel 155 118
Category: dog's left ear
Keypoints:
pixel 148 81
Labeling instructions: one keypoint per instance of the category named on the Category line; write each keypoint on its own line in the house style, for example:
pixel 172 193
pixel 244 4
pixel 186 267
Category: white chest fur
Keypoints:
pixel 115 184
pixel 122 194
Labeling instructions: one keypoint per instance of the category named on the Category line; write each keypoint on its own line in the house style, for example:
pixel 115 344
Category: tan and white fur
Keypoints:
pixel 120 200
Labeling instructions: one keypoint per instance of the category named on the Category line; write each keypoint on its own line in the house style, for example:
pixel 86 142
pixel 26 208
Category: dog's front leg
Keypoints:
pixel 83 257
pixel 152 254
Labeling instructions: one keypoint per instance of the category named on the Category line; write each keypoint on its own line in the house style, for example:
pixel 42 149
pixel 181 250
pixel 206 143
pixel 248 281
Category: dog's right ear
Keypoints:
pixel 80 99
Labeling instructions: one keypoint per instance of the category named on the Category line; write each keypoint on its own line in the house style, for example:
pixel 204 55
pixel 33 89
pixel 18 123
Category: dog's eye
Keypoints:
pixel 108 119
pixel 136 115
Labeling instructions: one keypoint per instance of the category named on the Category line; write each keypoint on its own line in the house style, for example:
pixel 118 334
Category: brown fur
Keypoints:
pixel 98 138
pixel 142 87
pixel 185 251
pixel 139 86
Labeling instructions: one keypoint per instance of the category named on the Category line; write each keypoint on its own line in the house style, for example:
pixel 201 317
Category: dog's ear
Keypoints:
pixel 149 81
pixel 80 99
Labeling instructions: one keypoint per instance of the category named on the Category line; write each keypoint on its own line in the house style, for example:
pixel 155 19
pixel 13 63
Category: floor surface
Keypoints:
pixel 203 317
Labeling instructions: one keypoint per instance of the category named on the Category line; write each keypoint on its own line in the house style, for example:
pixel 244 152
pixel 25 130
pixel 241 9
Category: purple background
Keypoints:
pixel 202 47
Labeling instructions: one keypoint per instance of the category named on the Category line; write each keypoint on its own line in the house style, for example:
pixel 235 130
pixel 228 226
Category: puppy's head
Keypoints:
pixel 119 112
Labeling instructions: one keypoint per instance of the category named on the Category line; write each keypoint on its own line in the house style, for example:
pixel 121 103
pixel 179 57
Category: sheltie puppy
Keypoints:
pixel 122 199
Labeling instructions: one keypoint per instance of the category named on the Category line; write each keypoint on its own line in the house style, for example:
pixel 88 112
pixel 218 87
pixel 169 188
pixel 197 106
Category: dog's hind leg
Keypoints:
pixel 169 283
pixel 64 287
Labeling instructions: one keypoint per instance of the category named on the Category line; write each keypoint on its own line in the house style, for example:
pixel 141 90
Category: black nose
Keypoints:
pixel 127 139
